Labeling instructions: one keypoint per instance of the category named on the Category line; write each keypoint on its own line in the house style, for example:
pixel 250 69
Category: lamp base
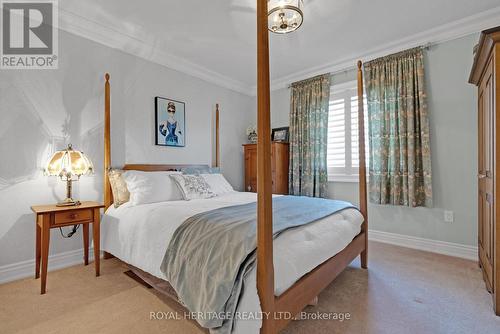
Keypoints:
pixel 69 202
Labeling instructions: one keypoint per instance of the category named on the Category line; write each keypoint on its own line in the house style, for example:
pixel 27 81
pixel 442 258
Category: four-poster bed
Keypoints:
pixel 307 287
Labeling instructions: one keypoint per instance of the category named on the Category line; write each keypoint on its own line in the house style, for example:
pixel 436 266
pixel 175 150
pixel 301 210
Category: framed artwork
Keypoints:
pixel 280 134
pixel 170 122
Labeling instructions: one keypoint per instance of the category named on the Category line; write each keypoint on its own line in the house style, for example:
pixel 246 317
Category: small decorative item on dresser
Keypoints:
pixel 69 165
pixel 280 134
pixel 52 216
pixel 252 134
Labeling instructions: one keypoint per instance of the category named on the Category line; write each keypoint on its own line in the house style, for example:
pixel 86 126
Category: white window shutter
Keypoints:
pixel 336 134
pixel 343 150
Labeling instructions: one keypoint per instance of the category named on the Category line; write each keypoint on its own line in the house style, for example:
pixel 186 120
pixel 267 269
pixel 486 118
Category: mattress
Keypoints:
pixel 139 235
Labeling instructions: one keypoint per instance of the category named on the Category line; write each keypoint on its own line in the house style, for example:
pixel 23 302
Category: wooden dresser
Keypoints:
pixel 279 164
pixel 485 75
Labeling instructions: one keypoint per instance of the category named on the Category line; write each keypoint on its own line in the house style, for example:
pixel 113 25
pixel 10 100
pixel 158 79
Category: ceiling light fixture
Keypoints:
pixel 285 16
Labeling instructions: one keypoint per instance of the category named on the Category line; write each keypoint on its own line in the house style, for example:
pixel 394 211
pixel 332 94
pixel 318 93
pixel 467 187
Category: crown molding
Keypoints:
pixel 447 32
pixel 99 33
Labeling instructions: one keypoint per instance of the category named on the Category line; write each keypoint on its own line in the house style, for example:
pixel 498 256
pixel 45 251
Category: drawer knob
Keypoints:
pixel 73 215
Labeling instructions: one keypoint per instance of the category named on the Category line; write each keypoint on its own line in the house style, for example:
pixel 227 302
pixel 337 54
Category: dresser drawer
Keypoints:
pixel 73 216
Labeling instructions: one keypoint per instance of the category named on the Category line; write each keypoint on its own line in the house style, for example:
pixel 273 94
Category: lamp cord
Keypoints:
pixel 70 234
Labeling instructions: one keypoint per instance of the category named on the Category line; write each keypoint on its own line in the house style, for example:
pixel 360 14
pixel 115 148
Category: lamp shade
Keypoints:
pixel 69 163
pixel 285 16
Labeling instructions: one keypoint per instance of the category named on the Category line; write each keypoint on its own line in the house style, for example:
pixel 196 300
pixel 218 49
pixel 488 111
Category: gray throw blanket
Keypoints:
pixel 210 253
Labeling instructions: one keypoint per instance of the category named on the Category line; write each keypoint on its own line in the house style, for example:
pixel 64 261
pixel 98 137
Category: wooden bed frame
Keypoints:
pixel 309 286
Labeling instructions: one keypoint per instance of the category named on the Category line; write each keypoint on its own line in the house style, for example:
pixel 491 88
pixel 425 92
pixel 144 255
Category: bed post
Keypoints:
pixel 265 268
pixel 217 139
pixel 107 143
pixel 362 165
pixel 107 150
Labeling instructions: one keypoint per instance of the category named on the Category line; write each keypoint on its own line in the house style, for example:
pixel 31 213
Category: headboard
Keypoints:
pixel 159 168
pixel 108 195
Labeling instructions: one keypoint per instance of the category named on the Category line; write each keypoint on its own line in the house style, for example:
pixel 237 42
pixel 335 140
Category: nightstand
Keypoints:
pixel 52 216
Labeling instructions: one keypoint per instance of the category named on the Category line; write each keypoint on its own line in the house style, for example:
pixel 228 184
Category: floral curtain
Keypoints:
pixel 309 137
pixel 400 153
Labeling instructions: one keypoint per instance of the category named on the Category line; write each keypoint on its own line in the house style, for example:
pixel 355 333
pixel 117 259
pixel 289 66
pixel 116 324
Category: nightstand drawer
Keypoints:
pixel 73 216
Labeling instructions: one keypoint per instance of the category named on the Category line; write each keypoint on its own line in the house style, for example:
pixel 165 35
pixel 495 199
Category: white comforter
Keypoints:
pixel 139 235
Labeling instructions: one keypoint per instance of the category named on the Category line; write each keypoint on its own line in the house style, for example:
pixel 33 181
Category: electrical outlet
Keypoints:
pixel 448 216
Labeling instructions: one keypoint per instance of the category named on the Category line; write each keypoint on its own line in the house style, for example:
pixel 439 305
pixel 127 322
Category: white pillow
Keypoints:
pixel 218 183
pixel 193 186
pixel 151 187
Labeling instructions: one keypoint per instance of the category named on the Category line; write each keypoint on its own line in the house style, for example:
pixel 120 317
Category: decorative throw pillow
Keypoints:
pixel 193 186
pixel 214 170
pixel 119 189
pixel 200 170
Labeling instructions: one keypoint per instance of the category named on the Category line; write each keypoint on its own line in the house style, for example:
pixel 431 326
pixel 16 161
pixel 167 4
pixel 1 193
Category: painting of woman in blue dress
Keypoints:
pixel 170 118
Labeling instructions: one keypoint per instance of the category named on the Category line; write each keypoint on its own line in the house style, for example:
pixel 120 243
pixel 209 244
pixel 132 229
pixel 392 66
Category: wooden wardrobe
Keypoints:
pixel 279 166
pixel 485 75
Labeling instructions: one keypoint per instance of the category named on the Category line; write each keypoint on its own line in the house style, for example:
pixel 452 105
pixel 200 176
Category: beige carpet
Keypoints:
pixel 404 291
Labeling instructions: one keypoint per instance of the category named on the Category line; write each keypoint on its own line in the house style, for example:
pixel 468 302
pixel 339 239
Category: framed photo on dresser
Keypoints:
pixel 280 134
pixel 170 122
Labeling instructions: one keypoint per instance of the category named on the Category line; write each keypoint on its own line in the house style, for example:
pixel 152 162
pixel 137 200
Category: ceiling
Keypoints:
pixel 219 35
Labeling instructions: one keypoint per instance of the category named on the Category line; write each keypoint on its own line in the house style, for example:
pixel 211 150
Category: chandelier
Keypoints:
pixel 284 16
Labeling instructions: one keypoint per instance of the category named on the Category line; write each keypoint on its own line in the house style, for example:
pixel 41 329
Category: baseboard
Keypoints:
pixel 429 245
pixel 20 270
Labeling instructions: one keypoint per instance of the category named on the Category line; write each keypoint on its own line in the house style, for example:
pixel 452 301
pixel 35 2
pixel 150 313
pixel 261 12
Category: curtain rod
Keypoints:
pixel 425 46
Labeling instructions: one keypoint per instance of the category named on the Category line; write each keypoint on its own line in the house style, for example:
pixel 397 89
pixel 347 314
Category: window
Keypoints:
pixel 343 150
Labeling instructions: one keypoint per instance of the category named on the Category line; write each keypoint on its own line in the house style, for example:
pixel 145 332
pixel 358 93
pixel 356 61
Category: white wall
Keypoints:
pixel 453 122
pixel 42 110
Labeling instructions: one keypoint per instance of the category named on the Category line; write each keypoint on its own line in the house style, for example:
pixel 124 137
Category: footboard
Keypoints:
pixel 308 287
